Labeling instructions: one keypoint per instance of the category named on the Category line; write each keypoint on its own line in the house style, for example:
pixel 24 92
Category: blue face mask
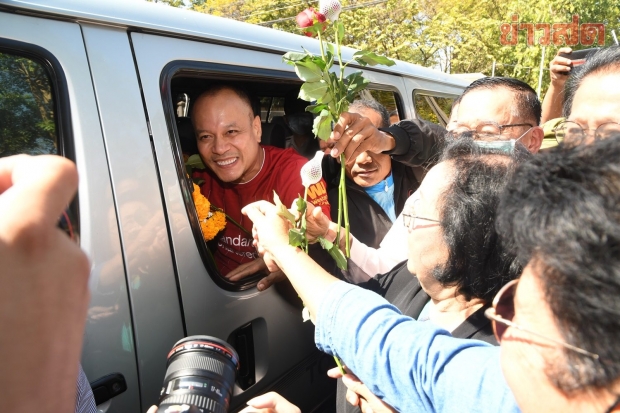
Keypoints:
pixel 504 146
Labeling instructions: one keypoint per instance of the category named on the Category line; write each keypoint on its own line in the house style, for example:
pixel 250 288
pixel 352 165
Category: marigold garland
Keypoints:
pixel 211 222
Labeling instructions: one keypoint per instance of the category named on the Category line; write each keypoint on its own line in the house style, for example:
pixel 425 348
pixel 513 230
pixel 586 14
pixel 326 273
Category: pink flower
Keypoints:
pixel 308 18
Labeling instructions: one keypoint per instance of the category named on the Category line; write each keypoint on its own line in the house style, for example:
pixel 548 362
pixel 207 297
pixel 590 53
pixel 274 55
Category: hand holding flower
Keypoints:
pixel 270 230
pixel 354 134
pixel 359 395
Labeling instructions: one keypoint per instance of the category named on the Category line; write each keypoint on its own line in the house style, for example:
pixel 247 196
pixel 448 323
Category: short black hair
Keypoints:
pixel 561 213
pixel 607 59
pixel 478 263
pixel 244 94
pixel 373 105
pixel 526 101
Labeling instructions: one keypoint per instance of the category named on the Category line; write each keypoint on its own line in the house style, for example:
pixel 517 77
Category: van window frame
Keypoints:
pixel 62 108
pixel 431 93
pixel 222 72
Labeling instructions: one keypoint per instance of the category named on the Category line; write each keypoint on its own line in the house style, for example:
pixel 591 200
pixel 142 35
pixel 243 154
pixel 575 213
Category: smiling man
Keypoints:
pixel 240 171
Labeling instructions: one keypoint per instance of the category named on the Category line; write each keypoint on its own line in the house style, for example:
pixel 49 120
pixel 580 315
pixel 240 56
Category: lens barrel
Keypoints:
pixel 200 376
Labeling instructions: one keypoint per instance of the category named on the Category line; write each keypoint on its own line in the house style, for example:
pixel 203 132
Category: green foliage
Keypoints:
pixel 27 123
pixel 451 36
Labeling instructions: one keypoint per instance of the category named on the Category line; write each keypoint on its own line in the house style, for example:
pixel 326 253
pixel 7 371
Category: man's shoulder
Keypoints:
pixel 283 158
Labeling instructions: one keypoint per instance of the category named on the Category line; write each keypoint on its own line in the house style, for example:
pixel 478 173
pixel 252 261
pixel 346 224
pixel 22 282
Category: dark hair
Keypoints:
pixel 478 263
pixel 561 212
pixel 244 94
pixel 373 105
pixel 607 59
pixel 526 100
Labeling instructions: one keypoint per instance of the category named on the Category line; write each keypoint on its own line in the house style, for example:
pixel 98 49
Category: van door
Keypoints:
pixel 54 50
pixel 276 348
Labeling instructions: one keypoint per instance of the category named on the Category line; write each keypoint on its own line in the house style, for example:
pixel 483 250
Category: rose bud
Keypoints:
pixel 304 19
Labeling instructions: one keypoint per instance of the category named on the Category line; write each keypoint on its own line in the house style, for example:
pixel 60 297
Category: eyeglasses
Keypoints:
pixel 489 131
pixel 410 220
pixel 503 311
pixel 572 131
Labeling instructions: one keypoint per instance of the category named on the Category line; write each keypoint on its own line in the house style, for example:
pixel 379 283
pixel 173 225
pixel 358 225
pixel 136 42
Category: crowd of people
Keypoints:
pixel 484 274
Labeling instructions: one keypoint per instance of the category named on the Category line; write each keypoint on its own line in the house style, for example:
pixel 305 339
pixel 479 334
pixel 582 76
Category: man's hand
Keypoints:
pixel 255 267
pixel 44 278
pixel 359 395
pixel 560 67
pixel 270 402
pixel 354 134
pixel 317 223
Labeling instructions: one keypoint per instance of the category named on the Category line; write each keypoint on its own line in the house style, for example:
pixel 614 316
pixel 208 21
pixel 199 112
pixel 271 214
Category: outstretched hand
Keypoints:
pixel 269 230
pixel 354 134
pixel 317 223
pixel 560 67
pixel 44 278
pixel 359 395
pixel 270 402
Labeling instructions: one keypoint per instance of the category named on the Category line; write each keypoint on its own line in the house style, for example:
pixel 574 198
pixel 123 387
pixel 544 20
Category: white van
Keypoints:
pixel 108 84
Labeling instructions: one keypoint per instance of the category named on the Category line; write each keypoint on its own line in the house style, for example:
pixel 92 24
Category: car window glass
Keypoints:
pixel 27 118
pixel 432 108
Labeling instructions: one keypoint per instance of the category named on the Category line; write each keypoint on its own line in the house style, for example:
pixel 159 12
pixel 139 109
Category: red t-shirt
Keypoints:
pixel 280 172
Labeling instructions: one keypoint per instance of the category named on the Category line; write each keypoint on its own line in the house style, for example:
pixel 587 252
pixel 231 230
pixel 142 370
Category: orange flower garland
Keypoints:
pixel 211 222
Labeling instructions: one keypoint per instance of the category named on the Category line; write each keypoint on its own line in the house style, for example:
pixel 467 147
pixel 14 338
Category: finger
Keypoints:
pixel 271 279
pixel 565 50
pixel 365 406
pixel 362 141
pixel 267 400
pixel 256 211
pixel 560 68
pixel 340 137
pixel 352 397
pixel 41 185
pixel 334 373
pixel 152 409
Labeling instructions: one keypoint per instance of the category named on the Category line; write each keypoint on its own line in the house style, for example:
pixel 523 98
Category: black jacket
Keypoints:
pixel 403 290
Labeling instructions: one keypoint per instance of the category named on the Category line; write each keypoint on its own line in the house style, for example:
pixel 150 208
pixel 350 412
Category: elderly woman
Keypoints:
pixel 559 326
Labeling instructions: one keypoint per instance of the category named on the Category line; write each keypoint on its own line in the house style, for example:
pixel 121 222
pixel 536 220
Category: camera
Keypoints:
pixel 579 58
pixel 200 376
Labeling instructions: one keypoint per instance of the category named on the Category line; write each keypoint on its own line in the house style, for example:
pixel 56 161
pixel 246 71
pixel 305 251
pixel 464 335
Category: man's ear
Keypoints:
pixel 536 140
pixel 257 126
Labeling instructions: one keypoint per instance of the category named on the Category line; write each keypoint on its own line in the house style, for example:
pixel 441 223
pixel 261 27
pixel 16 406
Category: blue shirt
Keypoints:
pixel 383 194
pixel 411 365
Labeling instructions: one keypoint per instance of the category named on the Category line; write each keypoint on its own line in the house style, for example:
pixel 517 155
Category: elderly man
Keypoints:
pixel 502 111
pixel 239 171
pixel 592 99
pixel 558 325
pixel 377 186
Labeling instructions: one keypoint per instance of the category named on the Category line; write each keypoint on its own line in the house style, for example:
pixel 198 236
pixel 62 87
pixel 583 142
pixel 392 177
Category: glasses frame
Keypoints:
pixel 409 222
pixel 584 131
pixel 458 131
pixel 491 314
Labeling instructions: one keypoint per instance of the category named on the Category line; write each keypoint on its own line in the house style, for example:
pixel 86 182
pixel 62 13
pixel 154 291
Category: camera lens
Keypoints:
pixel 200 376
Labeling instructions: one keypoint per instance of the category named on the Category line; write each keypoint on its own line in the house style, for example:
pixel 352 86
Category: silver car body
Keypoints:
pixel 149 284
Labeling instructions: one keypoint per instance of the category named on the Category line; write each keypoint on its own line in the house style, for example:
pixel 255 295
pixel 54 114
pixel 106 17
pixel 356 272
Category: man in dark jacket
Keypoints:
pixel 378 185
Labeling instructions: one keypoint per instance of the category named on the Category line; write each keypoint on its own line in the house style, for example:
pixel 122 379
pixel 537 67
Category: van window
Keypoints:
pixel 27 120
pixel 433 108
pixel 388 98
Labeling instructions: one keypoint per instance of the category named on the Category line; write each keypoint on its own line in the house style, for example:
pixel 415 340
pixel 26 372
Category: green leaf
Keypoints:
pixel 308 71
pixel 334 251
pixel 195 161
pixel 313 91
pixel 322 127
pixel 301 205
pixel 356 82
pixel 331 48
pixel 292 57
pixel 316 108
pixel 364 57
pixel 340 29
pixel 282 210
pixel 296 238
